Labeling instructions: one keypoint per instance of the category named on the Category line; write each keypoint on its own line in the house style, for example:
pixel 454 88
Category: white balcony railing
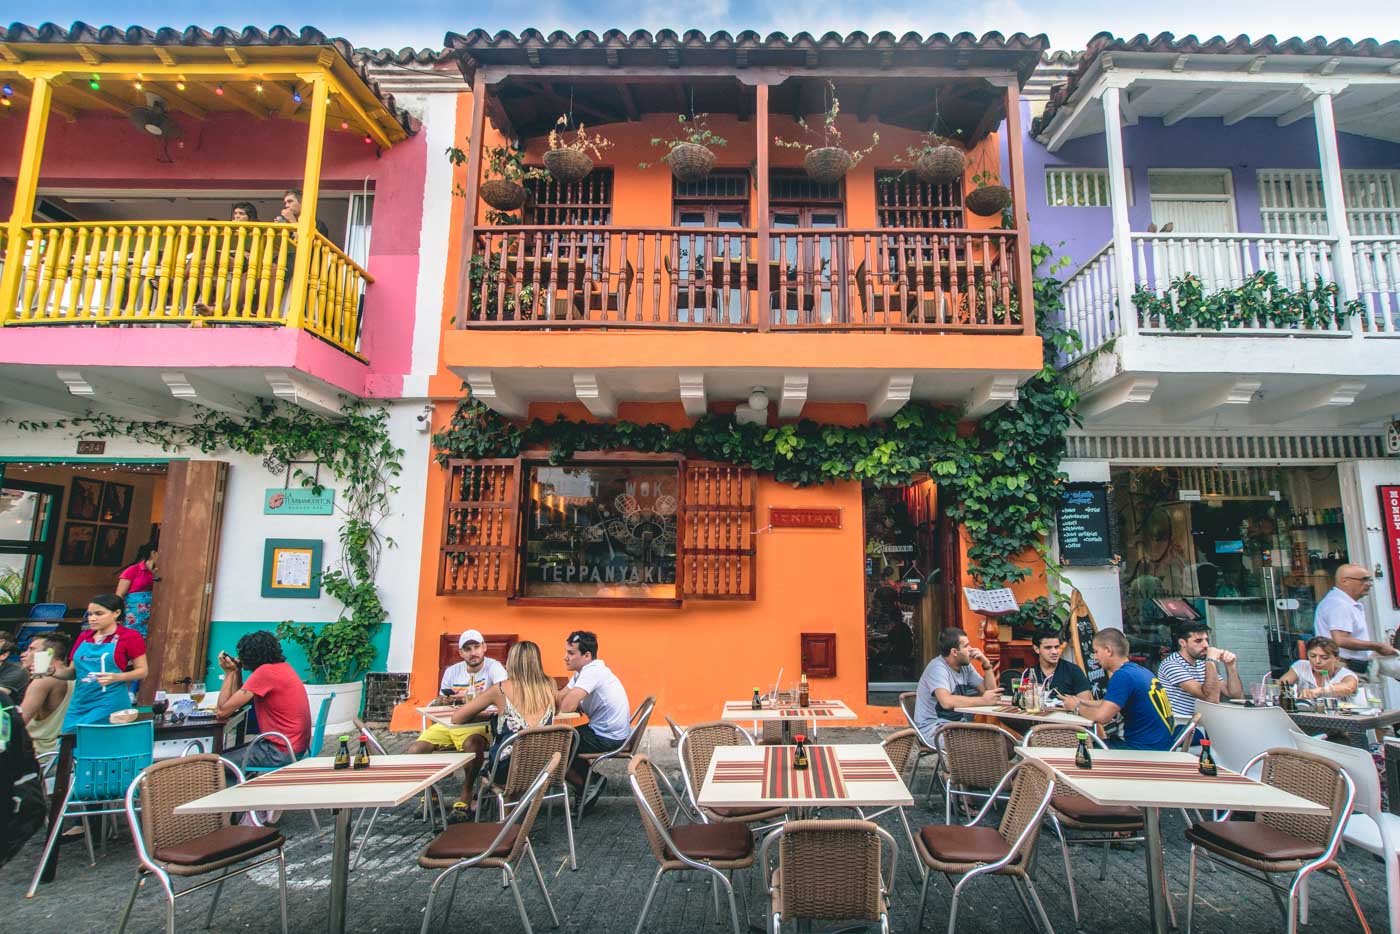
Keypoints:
pixel 1378 282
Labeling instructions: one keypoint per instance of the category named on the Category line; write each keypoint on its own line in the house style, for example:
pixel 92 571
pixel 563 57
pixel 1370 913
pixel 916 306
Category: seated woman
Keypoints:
pixel 524 700
pixel 1322 673
pixel 242 212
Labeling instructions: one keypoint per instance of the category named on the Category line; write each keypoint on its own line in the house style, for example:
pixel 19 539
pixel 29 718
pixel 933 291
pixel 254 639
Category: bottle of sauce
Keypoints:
pixel 362 754
pixel 1285 698
pixel 804 697
pixel 342 756
pixel 757 701
pixel 1082 759
pixel 1207 766
pixel 799 755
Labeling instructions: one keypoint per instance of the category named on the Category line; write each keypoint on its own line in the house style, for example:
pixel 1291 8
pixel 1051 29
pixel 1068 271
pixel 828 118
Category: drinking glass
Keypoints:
pixel 160 705
pixel 197 692
pixel 1258 694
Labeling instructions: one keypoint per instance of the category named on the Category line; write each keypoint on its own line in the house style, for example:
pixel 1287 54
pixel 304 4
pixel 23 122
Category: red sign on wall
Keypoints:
pixel 781 517
pixel 1390 522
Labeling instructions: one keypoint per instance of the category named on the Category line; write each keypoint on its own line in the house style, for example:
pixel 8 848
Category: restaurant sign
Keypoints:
pixel 281 501
pixel 1390 523
pixel 783 517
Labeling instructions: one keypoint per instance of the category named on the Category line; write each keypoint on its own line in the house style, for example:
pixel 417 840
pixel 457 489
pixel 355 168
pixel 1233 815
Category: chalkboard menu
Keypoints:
pixel 1085 525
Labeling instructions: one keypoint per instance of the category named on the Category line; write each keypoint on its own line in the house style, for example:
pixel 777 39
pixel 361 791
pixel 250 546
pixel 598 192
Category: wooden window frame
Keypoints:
pixel 953 210
pixel 602 175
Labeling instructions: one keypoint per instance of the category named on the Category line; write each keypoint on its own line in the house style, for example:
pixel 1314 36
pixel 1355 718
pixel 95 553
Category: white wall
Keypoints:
pixel 1366 544
pixel 1098 585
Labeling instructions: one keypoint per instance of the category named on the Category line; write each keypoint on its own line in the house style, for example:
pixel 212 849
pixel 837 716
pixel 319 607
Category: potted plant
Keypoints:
pixel 990 197
pixel 688 153
pixel 936 160
pixel 570 160
pixel 830 161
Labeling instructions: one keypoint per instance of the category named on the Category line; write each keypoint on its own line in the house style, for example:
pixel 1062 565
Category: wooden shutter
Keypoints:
pixel 480 516
pixel 818 654
pixel 715 554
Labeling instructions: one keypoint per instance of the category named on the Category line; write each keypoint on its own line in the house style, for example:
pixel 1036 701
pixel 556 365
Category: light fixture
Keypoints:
pixel 368 138
pixel 5 101
pixel 344 125
pixel 138 86
pixel 296 94
pixel 219 90
pixel 7 90
pixel 758 399
pixel 179 85
pixel 258 87
pixel 95 84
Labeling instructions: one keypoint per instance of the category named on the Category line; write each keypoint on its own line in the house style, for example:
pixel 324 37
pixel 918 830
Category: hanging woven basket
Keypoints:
pixel 828 164
pixel 568 165
pixel 690 162
pixel 989 201
pixel 940 165
pixel 503 195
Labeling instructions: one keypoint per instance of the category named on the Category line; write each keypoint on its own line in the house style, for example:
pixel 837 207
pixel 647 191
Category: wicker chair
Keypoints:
pixel 1275 843
pixel 497 846
pixel 907 701
pixel 696 749
pixel 711 849
pixel 188 845
pixel 528 751
pixel 903 749
pixel 973 757
pixel 829 870
pixel 771 732
pixel 628 749
pixel 1004 850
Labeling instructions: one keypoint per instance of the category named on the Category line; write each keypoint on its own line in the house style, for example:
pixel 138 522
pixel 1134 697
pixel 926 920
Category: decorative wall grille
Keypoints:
pixel 1078 188
pixel 1219 449
pixel 1291 201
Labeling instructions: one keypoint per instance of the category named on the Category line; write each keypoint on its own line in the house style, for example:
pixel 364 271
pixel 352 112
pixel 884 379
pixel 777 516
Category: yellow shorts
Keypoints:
pixel 452 736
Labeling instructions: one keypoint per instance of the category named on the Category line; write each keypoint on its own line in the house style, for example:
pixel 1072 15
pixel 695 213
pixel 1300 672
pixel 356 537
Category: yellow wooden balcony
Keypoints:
pixel 183 273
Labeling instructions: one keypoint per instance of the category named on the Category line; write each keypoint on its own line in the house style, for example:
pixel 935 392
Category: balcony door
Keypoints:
pixel 708 284
pixel 810 267
pixel 1192 200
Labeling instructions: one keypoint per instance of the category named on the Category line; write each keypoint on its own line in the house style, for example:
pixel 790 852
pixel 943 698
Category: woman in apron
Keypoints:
pixel 134 585
pixel 106 659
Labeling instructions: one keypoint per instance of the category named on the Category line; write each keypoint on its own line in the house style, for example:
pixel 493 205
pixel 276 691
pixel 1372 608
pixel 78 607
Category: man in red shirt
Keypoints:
pixel 277 695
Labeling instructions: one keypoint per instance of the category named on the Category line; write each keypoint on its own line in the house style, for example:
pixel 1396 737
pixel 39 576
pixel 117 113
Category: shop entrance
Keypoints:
pixel 906 575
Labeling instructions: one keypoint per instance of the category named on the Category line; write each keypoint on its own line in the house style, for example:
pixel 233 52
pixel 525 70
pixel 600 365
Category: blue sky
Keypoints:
pixel 422 22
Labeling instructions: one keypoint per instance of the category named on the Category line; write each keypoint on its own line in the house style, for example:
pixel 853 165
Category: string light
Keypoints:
pixel 179 85
pixel 296 95
pixel 138 86
pixel 5 101
pixel 7 90
pixel 219 90
pixel 344 125
pixel 368 138
pixel 258 87
pixel 94 83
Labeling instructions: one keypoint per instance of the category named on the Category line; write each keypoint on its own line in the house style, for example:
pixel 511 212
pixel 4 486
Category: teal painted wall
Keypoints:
pixel 224 635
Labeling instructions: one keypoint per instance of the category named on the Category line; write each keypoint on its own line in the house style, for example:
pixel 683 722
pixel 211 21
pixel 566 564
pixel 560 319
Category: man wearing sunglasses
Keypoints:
pixel 1341 618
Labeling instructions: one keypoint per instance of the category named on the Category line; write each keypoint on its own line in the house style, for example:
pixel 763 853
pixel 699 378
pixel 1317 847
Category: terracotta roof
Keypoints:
pixel 1217 45
pixel 747 48
pixel 404 56
pixel 193 36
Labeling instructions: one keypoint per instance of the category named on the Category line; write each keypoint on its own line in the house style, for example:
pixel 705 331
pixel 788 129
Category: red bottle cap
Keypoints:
pixel 800 738
pixel 364 738
pixel 1205 742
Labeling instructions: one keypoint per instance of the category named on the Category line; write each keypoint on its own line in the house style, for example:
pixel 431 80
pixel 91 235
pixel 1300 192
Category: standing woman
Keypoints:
pixel 134 586
pixel 106 658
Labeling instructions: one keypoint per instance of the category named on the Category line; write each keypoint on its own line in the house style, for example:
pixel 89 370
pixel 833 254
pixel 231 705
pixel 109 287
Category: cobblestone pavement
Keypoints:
pixel 388 890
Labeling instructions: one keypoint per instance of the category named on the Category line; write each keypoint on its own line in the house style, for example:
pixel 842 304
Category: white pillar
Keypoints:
pixel 1343 261
pixel 1118 201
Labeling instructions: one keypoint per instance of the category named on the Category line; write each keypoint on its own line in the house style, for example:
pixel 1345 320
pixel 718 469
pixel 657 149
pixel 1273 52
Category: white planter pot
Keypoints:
pixel 348 700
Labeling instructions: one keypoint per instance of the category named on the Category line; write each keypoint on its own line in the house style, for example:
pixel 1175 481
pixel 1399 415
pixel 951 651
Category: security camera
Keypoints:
pixel 424 419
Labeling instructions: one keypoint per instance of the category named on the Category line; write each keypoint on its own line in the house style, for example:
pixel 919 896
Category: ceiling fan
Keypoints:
pixel 155 120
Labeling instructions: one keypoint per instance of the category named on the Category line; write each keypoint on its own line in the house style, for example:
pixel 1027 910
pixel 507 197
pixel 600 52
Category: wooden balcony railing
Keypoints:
pixel 192 273
pixel 713 278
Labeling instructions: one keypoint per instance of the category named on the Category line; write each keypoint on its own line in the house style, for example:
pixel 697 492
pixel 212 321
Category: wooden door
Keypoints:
pixel 181 602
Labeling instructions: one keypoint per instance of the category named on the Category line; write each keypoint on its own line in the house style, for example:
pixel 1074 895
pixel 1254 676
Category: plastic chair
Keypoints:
pixel 318 739
pixel 106 760
pixel 1239 734
pixel 48 611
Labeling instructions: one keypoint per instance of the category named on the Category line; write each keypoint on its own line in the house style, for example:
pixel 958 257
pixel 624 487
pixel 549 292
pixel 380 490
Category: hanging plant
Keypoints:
pixel 504 187
pixel 990 197
pixel 570 160
pixel 689 152
pixel 936 160
pixel 830 161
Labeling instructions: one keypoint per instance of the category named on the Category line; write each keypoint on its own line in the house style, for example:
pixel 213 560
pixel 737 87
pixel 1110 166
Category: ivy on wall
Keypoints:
pixel 1001 482
pixel 357 450
pixel 1261 301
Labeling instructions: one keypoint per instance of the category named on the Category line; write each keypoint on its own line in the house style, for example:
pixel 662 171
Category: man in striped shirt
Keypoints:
pixel 1190 674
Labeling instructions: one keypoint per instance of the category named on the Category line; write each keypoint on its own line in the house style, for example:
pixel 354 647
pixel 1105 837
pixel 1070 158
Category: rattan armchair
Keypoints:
pixel 1275 843
pixel 637 731
pixel 772 732
pixel 903 748
pixel 528 751
pixel 711 849
pixel 829 870
pixel 1005 850
pixel 496 846
pixel 973 757
pixel 695 750
pixel 189 845
pixel 907 702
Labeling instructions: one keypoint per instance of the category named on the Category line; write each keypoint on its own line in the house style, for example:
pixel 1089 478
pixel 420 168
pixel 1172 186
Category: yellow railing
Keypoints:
pixel 193 273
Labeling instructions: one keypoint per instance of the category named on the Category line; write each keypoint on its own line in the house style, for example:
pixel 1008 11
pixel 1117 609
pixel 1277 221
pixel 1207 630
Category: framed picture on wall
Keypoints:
pixel 116 503
pixel 111 545
pixel 85 499
pixel 78 541
pixel 291 567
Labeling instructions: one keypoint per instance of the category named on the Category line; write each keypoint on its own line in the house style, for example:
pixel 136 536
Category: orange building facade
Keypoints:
pixel 757 291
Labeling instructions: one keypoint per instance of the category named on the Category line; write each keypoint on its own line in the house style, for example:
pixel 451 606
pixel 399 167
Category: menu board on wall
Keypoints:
pixel 1084 524
pixel 1390 525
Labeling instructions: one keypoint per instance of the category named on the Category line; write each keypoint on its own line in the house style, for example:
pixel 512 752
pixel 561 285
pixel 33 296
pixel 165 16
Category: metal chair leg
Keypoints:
pixel 714 890
pixel 52 840
pixel 126 914
pixel 539 877
pixel 428 908
pixel 452 896
pixel 1069 870
pixel 1103 862
pixel 646 903
pixel 569 829
pixel 360 850
pixel 1040 908
pixel 1351 895
pixel 923 902
pixel 214 902
pixel 733 910
pixel 282 887
pixel 87 838
pixel 583 796
pixel 169 913
pixel 1026 905
pixel 519 902
pixel 1191 890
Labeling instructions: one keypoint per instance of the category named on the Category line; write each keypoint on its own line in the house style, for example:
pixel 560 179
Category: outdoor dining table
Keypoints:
pixel 816 710
pixel 1012 712
pixel 1155 780
pixel 315 784
pixel 442 714
pixel 845 775
pixel 1344 722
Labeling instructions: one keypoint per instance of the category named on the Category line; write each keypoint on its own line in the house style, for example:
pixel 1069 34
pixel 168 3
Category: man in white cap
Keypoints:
pixel 467 678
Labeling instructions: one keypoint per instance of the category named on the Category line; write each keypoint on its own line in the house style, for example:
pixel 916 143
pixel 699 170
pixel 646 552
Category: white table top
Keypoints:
pixel 313 784
pixel 1008 712
pixel 443 714
pixel 1124 777
pixel 759 776
pixel 815 710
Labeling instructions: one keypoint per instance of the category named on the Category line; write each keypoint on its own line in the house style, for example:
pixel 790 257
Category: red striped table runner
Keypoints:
pixel 329 775
pixel 825 778
pixel 740 711
pixel 1152 771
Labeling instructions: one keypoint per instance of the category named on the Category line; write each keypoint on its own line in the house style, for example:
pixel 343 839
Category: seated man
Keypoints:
pixel 14 677
pixel 596 691
pixel 278 697
pixel 1189 674
pixel 469 677
pixel 950 682
pixel 1132 692
pixel 46 700
pixel 1064 676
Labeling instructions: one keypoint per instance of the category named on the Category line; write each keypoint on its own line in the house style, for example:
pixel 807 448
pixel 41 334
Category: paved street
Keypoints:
pixel 605 894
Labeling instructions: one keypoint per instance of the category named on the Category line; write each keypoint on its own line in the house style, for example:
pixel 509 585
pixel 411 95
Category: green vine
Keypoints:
pixel 357 450
pixel 1001 482
pixel 1261 300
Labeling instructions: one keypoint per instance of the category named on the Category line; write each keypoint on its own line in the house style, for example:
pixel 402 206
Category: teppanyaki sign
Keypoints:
pixel 784 517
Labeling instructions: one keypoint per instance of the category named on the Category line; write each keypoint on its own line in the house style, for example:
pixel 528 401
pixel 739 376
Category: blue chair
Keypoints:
pixel 48 611
pixel 106 760
pixel 27 631
pixel 318 739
